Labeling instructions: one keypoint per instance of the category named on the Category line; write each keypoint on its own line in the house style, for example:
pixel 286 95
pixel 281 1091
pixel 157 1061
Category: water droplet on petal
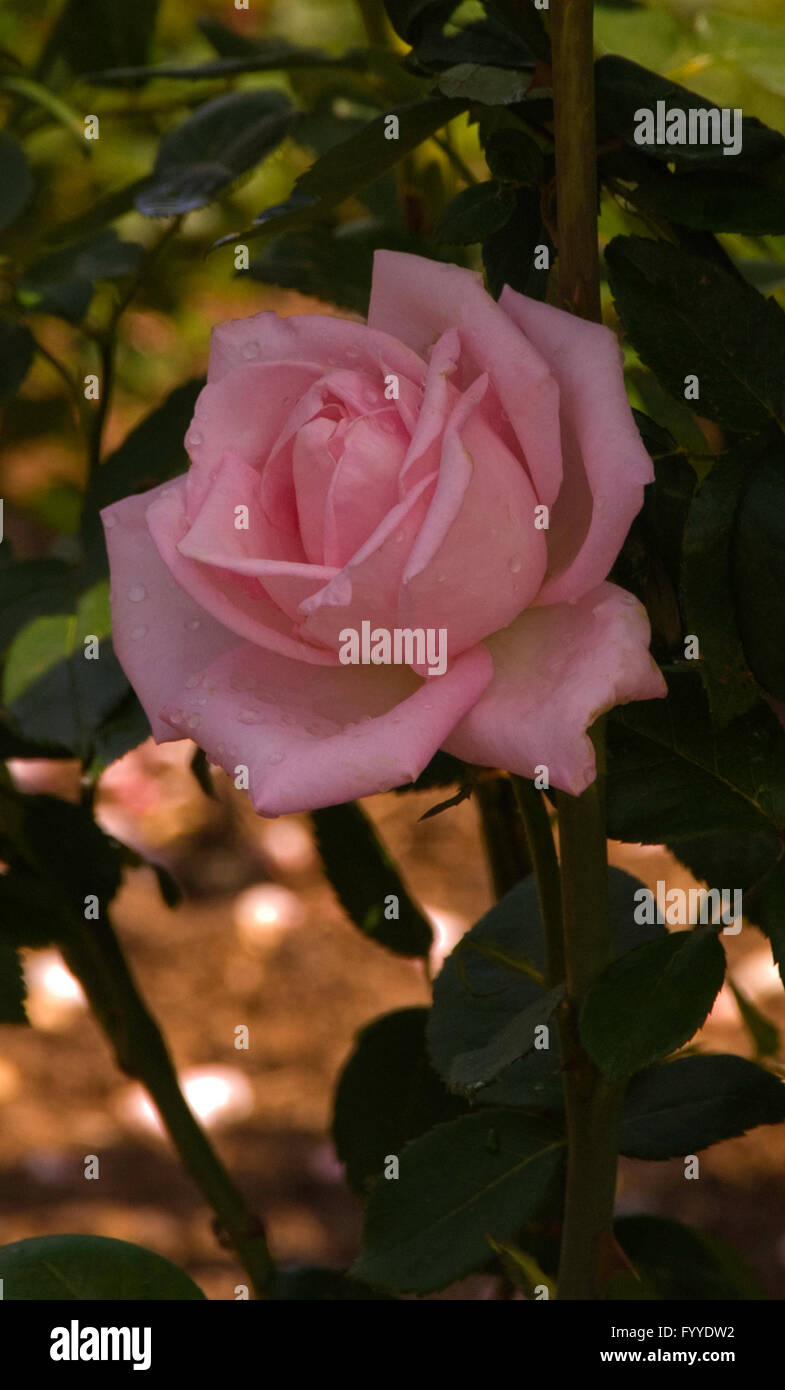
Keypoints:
pixel 288 719
pixel 193 721
pixel 192 681
pixel 193 624
pixel 195 438
pixel 251 349
pixel 110 521
pixel 440 578
pixel 176 716
pixel 515 564
pixel 250 716
pixel 275 758
pixel 137 592
pixel 137 632
pixel 399 538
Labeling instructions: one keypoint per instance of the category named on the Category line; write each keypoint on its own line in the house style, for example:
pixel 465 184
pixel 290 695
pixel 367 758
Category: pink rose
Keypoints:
pixel 393 475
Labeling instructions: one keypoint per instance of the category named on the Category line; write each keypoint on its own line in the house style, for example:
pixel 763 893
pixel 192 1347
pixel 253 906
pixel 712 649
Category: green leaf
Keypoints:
pixel 17 346
pixel 651 1000
pixel 508 254
pixel 764 1035
pixel 93 34
pixel 671 776
pixel 475 212
pixel 472 1071
pixel 475 1179
pixel 16 181
pixel 751 202
pixel 770 914
pixel 758 558
pixel 124 728
pixel 489 85
pixel 494 976
pixel 411 18
pixel 513 157
pixel 12 981
pixel 387 1094
pixel 28 588
pixel 728 335
pixel 52 691
pixel 211 149
pixel 707 599
pixel 61 846
pixel 365 877
pixel 62 283
pixel 682 1264
pixel 624 87
pixel 353 163
pixel 318 1284
pixel 75 1267
pixel 693 1102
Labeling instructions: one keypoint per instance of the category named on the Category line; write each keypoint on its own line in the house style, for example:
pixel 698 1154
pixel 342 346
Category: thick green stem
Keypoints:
pixel 576 156
pixel 592 1107
pixel 96 958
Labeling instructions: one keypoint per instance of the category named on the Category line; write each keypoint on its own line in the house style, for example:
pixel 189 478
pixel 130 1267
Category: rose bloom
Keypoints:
pixel 396 474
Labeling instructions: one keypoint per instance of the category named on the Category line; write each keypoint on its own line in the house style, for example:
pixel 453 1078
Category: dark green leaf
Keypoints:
pixel 752 203
pixel 513 157
pixel 758 557
pixel 92 34
pixel 387 1094
pixel 765 1037
pixel 12 981
pixel 16 181
pixel 508 254
pixel 476 212
pixel 488 41
pixel 463 1183
pixel 770 914
pixel 474 1070
pixel 124 728
pixel 367 881
pixel 71 1267
pixel 707 600
pixel 29 588
pixel 623 88
pixel 102 209
pixel 221 140
pixel 671 776
pixel 411 18
pixel 62 283
pixel 728 335
pixel 361 159
pixel 693 1102
pixel 651 1000
pixel 489 85
pixel 682 1264
pixel 495 974
pixel 72 858
pixel 525 22
pixel 17 346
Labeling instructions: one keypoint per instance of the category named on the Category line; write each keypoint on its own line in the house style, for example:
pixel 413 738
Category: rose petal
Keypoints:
pixel 586 361
pixel 315 737
pixel 236 600
pixel 416 300
pixel 555 670
pixel 160 635
pixel 308 338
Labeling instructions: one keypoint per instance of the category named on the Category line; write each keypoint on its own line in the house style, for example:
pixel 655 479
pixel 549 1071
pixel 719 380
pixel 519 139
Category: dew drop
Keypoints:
pixel 192 681
pixel 515 564
pixel 176 716
pixel 137 592
pixel 193 624
pixel 250 349
pixel 195 438
pixel 138 632
pixel 288 719
pixel 440 578
pixel 109 522
pixel 250 716
pixel 193 721
pixel 399 538
pixel 275 758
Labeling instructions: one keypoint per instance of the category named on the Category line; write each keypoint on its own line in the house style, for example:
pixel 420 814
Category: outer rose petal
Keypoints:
pixel 602 445
pixel 314 737
pixel 555 670
pixel 160 635
pixel 416 300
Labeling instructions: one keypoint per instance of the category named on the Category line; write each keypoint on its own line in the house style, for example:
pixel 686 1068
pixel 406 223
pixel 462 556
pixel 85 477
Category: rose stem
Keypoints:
pixel 96 958
pixel 591 1105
